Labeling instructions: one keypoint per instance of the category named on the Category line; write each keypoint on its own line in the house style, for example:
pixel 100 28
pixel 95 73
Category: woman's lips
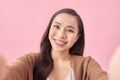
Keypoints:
pixel 60 42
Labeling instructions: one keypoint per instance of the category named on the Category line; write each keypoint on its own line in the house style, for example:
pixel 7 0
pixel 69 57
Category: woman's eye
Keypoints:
pixel 56 26
pixel 70 30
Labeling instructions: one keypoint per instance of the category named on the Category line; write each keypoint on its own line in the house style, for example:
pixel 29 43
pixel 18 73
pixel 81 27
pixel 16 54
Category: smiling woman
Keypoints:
pixel 63 32
pixel 61 53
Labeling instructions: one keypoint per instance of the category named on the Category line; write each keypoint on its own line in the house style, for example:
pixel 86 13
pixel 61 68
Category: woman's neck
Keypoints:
pixel 60 56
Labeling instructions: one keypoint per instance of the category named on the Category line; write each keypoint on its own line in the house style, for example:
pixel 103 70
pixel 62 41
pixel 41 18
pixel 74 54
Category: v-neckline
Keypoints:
pixel 71 74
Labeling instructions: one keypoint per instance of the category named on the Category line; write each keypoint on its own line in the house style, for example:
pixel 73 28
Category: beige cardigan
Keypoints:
pixel 85 68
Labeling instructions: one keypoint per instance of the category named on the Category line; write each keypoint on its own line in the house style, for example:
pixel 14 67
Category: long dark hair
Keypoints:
pixel 44 64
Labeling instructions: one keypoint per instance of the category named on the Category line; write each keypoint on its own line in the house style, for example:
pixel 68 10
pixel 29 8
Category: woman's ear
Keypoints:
pixel 78 37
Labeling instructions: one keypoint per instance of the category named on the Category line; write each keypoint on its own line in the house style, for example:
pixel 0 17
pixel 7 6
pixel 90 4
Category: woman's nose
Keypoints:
pixel 61 34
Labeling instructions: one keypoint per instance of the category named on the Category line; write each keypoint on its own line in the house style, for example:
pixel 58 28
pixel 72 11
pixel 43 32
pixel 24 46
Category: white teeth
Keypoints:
pixel 60 42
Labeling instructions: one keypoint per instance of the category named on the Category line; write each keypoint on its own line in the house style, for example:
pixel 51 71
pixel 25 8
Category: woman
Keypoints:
pixel 61 54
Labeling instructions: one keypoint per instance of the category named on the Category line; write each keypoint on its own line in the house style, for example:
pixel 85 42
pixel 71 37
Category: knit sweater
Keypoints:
pixel 85 68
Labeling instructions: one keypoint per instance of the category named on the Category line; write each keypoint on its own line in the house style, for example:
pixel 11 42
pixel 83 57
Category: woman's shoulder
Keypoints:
pixel 27 58
pixel 31 55
pixel 90 67
pixel 84 60
pixel 81 58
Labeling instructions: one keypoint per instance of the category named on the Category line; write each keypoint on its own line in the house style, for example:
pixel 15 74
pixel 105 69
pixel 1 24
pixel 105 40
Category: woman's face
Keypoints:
pixel 63 32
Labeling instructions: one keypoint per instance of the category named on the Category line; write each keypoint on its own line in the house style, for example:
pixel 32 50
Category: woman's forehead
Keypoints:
pixel 67 19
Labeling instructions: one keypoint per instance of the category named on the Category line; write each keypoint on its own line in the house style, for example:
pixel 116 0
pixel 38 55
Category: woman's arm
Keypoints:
pixel 114 66
pixel 95 72
pixel 20 69
pixel 3 68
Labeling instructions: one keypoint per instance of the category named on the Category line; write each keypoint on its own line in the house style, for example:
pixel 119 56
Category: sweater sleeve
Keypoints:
pixel 94 71
pixel 22 68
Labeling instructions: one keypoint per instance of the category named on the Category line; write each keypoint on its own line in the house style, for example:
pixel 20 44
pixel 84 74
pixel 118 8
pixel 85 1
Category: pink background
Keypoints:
pixel 22 23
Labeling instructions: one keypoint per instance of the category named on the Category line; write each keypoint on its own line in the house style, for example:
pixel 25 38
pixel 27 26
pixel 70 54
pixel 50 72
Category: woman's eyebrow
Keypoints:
pixel 69 26
pixel 57 22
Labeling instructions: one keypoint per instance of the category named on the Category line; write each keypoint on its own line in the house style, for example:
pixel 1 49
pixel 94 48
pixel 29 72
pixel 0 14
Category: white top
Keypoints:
pixel 70 76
